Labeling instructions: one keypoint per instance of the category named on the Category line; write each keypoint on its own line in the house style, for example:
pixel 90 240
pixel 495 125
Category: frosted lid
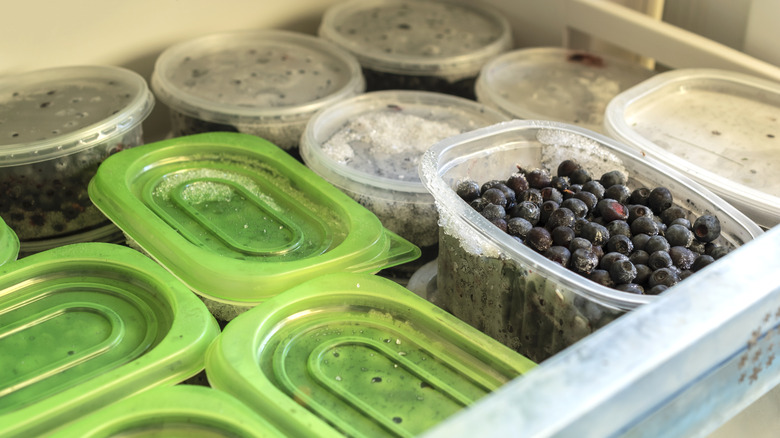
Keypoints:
pixel 551 83
pixel 236 218
pixel 9 243
pixel 407 37
pixel 84 325
pixel 250 75
pixel 59 111
pixel 377 138
pixel 720 127
pixel 358 355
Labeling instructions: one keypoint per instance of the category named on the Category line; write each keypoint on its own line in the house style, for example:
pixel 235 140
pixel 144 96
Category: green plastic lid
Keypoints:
pixel 237 219
pixel 181 411
pixel 88 324
pixel 9 243
pixel 356 355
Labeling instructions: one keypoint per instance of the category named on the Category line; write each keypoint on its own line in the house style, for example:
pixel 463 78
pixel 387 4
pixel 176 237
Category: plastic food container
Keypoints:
pixel 56 126
pixel 552 83
pixel 419 45
pixel 239 220
pixel 9 244
pixel 506 289
pixel 175 411
pixel 263 82
pixel 721 128
pixel 84 325
pixel 370 146
pixel 357 355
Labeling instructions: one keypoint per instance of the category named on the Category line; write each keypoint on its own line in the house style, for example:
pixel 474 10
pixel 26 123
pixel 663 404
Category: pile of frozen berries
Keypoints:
pixel 635 241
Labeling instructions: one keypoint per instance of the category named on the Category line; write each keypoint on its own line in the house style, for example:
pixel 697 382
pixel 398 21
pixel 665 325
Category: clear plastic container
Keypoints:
pixel 175 412
pixel 85 325
pixel 370 146
pixel 356 355
pixel 263 82
pixel 9 244
pixel 428 45
pixel 56 126
pixel 508 290
pixel 554 83
pixel 721 128
pixel 239 220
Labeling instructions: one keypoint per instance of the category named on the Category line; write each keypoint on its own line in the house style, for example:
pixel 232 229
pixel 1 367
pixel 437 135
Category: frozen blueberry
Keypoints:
pixel 619 243
pixel 546 212
pixel 526 210
pixel 531 195
pixel 558 254
pixel 674 212
pixel 479 203
pixel 495 196
pixel 660 199
pixel 644 225
pixel 493 211
pixel 562 236
pixel 640 240
pixel 468 190
pixel 538 178
pixel 663 276
pixel 659 260
pixel 577 206
pixel 642 273
pixel 701 261
pixel 681 221
pixel 579 176
pixel 597 234
pixel 639 196
pixel 560 183
pixel 517 182
pixel 517 226
pixel 682 257
pixel 608 259
pixel 638 210
pixel 613 177
pixel 657 243
pixel 706 228
pixel 594 187
pixel 618 192
pixel 539 239
pixel 493 183
pixel 639 257
pixel 622 271
pixel 500 223
pixel 657 289
pixel 619 227
pixel 601 277
pixel 679 235
pixel 631 288
pixel 583 261
pixel 588 198
pixel 580 243
pixel 611 210
pixel 566 167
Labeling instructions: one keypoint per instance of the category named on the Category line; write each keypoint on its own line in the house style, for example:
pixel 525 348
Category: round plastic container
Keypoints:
pixel 9 244
pixel 421 45
pixel 505 288
pixel 263 82
pixel 551 83
pixel 370 146
pixel 56 126
pixel 721 128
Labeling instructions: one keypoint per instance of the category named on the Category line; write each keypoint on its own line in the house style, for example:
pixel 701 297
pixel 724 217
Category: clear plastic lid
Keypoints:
pixel 450 39
pixel 720 127
pixel 55 112
pixel 237 219
pixel 376 140
pixel 259 76
pixel 357 355
pixel 551 83
pixel 85 325
pixel 174 412
pixel 9 243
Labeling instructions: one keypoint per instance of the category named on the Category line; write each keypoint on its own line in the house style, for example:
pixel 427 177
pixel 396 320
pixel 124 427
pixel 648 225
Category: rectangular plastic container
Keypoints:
pixel 680 366
pixel 508 290
pixel 239 220
pixel 85 325
pixel 356 355
pixel 719 127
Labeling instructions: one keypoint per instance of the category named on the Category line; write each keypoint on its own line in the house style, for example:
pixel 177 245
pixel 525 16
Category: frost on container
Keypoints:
pixel 505 288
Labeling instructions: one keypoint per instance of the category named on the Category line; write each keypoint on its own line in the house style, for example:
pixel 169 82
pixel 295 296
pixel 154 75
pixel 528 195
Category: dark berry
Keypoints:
pixel 493 211
pixel 526 210
pixel 468 190
pixel 479 203
pixel 657 243
pixel 697 247
pixel 601 277
pixel 588 198
pixel 566 167
pixel 678 235
pixel 551 194
pixel 608 259
pixel 639 257
pixel 583 261
pixel 701 261
pixel 546 211
pixel 660 199
pixel 560 183
pixel 539 239
pixel 577 206
pixel 493 183
pixel 530 195
pixel 562 236
pixel 672 213
pixel 639 241
pixel 561 217
pixel 579 176
pixel 681 221
pixel 500 223
pixel 495 196
pixel 706 228
pixel 517 182
pixel 663 276
pixel 612 210
pixel 619 228
pixel 642 273
pixel 639 196
pixel 622 271
pixel 659 260
pixel 580 243
pixel 657 289
pixel 619 243
pixel 718 252
pixel 682 257
pixel 517 226
pixel 597 234
pixel 613 177
pixel 631 288
pixel 538 178
pixel 618 192
pixel 594 187
pixel 558 254
pixel 644 225
pixel 638 210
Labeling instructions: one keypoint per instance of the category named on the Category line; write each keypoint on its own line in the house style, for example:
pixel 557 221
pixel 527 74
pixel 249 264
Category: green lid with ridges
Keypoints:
pixel 88 324
pixel 9 243
pixel 181 411
pixel 356 354
pixel 238 219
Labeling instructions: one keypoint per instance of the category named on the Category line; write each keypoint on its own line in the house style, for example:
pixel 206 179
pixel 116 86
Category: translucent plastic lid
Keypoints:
pixel 174 412
pixel 85 325
pixel 251 76
pixel 356 355
pixel 431 37
pixel 377 139
pixel 238 219
pixel 9 243
pixel 720 127
pixel 55 112
pixel 550 83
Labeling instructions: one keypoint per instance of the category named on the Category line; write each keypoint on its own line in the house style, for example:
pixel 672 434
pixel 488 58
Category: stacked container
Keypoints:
pixel 56 127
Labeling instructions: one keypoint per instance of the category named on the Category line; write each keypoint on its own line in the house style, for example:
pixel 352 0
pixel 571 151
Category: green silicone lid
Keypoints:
pixel 238 219
pixel 87 324
pixel 9 243
pixel 181 411
pixel 356 354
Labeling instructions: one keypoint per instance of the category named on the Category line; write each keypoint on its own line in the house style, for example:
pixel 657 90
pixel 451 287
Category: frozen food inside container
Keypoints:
pixel 509 290
pixel 719 127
